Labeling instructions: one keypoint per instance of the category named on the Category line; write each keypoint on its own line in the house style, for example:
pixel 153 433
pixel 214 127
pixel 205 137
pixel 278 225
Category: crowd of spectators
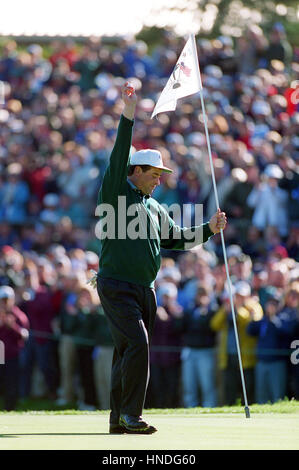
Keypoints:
pixel 57 127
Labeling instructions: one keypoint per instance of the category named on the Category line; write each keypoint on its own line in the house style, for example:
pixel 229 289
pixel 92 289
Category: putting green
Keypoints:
pixel 89 431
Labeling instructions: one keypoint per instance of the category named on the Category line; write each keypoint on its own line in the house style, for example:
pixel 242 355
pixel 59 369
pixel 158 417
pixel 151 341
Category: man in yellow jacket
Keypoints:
pixel 247 308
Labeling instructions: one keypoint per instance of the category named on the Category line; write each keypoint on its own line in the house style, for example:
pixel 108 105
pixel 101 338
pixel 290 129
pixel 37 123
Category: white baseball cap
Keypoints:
pixel 149 157
pixel 169 289
pixel 6 292
pixel 233 251
pixel 273 171
pixel 242 288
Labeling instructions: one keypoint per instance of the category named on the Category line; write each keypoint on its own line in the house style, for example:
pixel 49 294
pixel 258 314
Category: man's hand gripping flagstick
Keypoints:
pixel 185 81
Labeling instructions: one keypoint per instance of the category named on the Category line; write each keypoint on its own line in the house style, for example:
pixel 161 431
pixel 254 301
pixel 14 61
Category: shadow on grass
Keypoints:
pixel 59 434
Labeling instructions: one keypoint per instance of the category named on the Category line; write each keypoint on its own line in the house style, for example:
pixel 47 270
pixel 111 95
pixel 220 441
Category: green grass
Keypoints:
pixel 45 406
pixel 269 427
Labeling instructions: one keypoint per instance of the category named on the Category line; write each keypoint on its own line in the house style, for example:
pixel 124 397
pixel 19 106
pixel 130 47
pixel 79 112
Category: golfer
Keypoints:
pixel 129 264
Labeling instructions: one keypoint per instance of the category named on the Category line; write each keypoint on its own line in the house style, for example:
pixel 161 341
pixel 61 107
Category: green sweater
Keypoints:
pixel 122 257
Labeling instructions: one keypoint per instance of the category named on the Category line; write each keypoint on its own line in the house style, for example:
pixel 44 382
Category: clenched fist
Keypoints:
pixel 218 222
pixel 128 95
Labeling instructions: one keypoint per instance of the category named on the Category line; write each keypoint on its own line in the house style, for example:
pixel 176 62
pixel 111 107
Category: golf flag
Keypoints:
pixel 184 81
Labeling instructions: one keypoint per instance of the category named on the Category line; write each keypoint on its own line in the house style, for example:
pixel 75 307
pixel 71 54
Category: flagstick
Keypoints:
pixel 247 413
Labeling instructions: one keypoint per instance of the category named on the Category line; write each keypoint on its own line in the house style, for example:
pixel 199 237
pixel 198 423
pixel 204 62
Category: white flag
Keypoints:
pixel 184 81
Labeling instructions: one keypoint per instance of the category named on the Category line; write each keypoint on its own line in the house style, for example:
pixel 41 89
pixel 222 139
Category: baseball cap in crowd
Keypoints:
pixel 233 251
pixel 273 171
pixel 280 251
pixel 6 292
pixel 174 138
pixel 261 107
pixel 196 138
pixel 92 259
pixel 226 40
pixel 212 82
pixel 213 71
pixel 242 288
pixel 14 169
pixel 149 157
pixel 51 200
pixel 171 272
pixel 167 288
pixel 272 295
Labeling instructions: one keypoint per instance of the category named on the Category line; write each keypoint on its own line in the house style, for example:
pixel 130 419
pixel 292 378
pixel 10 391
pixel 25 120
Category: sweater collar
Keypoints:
pixel 138 191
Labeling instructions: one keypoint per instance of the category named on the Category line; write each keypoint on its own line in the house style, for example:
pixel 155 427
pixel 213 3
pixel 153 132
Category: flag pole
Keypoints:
pixel 247 412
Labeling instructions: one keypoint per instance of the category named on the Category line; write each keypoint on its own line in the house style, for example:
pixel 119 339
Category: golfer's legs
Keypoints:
pixel 123 306
pixel 135 371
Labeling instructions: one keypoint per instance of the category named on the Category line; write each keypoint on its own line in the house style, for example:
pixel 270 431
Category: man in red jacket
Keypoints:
pixel 14 326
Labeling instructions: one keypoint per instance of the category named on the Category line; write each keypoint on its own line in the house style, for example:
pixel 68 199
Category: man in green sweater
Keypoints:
pixel 129 263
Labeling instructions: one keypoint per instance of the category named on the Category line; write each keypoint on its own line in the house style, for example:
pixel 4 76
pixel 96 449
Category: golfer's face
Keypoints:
pixel 149 180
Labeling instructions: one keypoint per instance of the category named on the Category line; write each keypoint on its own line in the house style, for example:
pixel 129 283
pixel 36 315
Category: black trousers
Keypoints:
pixel 130 310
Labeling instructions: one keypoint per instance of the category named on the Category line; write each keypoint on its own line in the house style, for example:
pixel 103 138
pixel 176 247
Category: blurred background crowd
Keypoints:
pixel 57 127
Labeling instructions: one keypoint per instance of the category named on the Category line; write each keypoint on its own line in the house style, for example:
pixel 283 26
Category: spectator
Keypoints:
pixel 80 322
pixel 14 327
pixel 50 214
pixel 202 277
pixel 88 65
pixel 270 202
pixel 250 49
pixel 246 308
pixel 8 236
pixel 290 183
pixel 14 195
pixel 37 305
pixel 274 332
pixel 69 285
pixel 235 203
pixel 254 245
pixel 289 315
pixel 292 243
pixel 198 352
pixel 279 48
pixel 102 360
pixel 165 365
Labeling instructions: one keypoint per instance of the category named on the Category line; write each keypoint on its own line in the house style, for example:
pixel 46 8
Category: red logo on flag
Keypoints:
pixel 186 70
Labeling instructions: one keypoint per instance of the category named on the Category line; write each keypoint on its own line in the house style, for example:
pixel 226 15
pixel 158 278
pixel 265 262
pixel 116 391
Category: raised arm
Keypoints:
pixel 130 100
pixel 116 172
